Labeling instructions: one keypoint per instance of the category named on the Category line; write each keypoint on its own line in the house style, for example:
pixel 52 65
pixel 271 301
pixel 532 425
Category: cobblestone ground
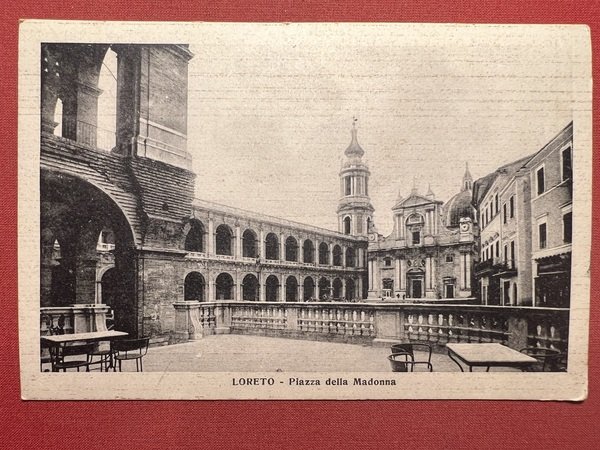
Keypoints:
pixel 239 353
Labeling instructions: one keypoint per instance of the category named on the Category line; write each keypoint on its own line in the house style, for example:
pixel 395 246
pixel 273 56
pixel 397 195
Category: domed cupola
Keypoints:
pixel 461 204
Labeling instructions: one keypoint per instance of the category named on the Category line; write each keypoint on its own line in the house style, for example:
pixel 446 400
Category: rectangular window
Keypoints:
pixel 542 235
pixel 505 253
pixel 497 205
pixel 348 186
pixel 540 181
pixel 512 206
pixel 504 215
pixel 567 167
pixel 416 237
pixel 449 258
pixel 497 249
pixel 568 227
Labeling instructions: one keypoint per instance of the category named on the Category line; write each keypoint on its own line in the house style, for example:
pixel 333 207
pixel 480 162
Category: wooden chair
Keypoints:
pixel 410 347
pixel 130 349
pixel 548 358
pixel 58 355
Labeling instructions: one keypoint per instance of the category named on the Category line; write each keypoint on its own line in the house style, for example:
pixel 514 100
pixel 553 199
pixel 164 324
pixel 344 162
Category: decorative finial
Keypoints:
pixel 354 149
pixel 430 193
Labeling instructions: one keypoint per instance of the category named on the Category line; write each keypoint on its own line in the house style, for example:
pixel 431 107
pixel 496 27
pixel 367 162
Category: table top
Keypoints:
pixel 489 354
pixel 89 337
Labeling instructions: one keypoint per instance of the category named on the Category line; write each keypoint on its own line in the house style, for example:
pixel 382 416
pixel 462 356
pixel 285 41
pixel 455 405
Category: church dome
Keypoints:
pixel 457 207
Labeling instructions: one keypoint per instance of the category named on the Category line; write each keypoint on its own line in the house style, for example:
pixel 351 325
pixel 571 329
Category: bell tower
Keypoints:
pixel 355 212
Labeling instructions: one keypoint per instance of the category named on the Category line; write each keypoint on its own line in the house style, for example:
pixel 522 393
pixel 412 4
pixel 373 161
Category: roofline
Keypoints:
pixel 272 220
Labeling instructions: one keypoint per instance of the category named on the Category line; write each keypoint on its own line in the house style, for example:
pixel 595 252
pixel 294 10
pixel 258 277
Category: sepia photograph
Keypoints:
pixel 335 211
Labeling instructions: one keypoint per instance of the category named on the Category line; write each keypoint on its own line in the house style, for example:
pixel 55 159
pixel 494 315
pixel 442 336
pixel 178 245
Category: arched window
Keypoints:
pixel 272 288
pixel 224 287
pixel 194 240
pixel 194 287
pixel 309 288
pixel 324 289
pixel 347 225
pixel 249 249
pixel 350 257
pixel 368 224
pixel 337 255
pixel 291 249
pixel 271 246
pixel 337 289
pixel 224 238
pixel 323 253
pixel 291 289
pixel 308 250
pixel 250 288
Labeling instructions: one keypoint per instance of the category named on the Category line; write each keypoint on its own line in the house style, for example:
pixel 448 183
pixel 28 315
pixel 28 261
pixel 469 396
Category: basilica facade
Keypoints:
pixel 429 253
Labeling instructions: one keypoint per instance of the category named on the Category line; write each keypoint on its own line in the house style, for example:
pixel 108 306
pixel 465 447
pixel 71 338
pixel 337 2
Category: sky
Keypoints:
pixel 271 108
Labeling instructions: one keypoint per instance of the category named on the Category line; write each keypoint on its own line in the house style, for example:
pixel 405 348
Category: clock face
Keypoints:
pixel 372 237
pixel 464 227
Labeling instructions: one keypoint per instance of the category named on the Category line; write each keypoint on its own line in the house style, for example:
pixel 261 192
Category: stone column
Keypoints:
pixel 300 291
pixel 238 243
pixel 428 274
pixel 261 245
pixel 397 286
pixel 402 275
pixel 282 288
pixel 281 247
pixel 211 236
pixel 262 288
pixel 344 250
pixel 331 254
pixel 468 271
pixel 462 271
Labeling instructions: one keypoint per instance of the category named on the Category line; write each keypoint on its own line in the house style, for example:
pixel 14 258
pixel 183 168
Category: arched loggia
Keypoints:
pixel 77 211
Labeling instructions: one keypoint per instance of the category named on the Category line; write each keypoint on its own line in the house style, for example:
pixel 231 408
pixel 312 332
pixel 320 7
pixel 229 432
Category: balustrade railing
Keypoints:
pixel 268 317
pixel 341 321
pixel 435 324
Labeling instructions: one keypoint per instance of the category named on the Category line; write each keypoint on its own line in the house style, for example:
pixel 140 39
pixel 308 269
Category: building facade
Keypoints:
pixel 429 254
pixel 525 215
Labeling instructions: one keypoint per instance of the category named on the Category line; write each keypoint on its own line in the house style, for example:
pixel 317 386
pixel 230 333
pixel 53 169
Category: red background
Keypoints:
pixel 306 424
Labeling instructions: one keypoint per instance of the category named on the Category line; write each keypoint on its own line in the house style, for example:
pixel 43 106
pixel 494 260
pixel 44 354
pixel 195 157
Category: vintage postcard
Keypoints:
pixel 304 211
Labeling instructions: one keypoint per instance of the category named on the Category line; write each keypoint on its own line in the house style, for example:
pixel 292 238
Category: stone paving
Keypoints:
pixel 242 353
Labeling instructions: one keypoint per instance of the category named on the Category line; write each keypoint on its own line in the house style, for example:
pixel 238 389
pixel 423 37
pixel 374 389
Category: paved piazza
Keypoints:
pixel 242 353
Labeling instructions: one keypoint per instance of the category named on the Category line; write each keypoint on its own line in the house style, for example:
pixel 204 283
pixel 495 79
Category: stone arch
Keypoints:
pixel 350 257
pixel 324 288
pixel 337 255
pixel 347 225
pixel 291 249
pixel 337 289
pixel 250 288
pixel 249 244
pixel 224 286
pixel 308 251
pixel 271 246
pixel 309 288
pixel 323 253
pixel 350 289
pixel 272 286
pixel 194 286
pixel 78 210
pixel 291 289
pixel 224 240
pixel 194 236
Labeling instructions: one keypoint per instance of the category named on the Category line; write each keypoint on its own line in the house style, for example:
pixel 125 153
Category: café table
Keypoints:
pixel 58 340
pixel 487 355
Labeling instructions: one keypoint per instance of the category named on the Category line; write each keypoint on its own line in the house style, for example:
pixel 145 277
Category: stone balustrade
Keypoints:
pixel 382 323
pixel 81 318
